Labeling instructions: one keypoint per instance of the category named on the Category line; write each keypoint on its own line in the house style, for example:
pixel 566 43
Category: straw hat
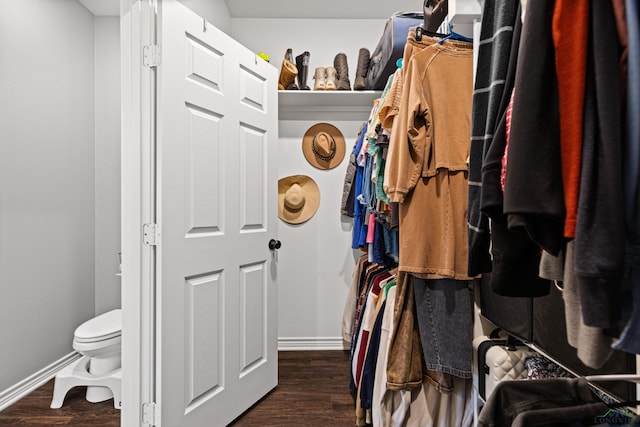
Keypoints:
pixel 298 198
pixel 323 146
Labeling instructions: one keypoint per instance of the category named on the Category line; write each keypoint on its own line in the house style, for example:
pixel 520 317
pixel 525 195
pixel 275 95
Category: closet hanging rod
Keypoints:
pixel 634 378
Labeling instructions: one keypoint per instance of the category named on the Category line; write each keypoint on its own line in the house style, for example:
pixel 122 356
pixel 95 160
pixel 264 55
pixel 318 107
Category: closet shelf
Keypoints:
pixel 325 105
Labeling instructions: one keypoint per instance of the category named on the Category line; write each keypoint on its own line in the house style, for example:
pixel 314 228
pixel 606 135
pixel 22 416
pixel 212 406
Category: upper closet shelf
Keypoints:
pixel 325 105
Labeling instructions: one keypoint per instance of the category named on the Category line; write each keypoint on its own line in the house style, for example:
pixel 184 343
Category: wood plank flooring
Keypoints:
pixel 313 391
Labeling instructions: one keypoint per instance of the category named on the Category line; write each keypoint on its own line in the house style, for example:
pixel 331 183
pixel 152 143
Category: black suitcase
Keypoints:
pixel 390 48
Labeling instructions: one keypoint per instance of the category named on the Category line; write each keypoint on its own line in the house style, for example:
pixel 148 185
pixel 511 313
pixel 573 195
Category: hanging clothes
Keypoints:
pixel 414 115
pixel 498 20
pixel 533 195
pixel 427 172
pixel 420 406
pixel 600 231
pixel 349 314
pixel 568 180
pixel 593 345
pixel 557 401
pixel 372 323
pixel 570 25
pixel 359 211
pixel 515 258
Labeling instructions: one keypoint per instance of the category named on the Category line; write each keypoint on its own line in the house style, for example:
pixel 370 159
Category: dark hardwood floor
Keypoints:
pixel 313 391
pixel 33 410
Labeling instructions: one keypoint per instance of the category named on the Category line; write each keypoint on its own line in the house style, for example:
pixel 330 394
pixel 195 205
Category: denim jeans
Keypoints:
pixel 444 310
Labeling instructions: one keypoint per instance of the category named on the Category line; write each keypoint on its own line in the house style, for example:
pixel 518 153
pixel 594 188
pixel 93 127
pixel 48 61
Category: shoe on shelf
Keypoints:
pixel 330 83
pixel 320 77
pixel 342 72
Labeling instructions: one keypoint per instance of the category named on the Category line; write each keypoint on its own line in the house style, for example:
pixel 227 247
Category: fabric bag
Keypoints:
pixel 390 48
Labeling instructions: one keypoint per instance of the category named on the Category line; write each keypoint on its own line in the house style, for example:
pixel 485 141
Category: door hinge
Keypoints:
pixel 151 234
pixel 150 413
pixel 151 56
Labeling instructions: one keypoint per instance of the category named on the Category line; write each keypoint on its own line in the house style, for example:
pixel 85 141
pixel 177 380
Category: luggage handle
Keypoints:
pixel 495 334
pixel 510 343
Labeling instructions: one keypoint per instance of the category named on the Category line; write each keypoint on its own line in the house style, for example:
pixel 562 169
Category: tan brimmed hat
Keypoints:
pixel 298 198
pixel 323 146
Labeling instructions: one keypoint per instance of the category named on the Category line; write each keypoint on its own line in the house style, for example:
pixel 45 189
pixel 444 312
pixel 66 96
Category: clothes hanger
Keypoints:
pixel 455 36
pixel 420 30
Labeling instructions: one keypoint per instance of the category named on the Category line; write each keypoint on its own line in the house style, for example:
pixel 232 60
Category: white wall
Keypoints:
pixel 107 163
pixel 46 181
pixel 214 11
pixel 316 260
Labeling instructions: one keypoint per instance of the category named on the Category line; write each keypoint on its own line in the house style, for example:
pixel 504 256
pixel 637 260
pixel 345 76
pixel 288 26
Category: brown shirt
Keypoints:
pixel 391 105
pixel 428 169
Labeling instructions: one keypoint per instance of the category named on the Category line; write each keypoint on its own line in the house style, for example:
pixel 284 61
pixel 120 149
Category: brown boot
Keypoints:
pixel 360 82
pixel 342 70
pixel 288 73
pixel 289 57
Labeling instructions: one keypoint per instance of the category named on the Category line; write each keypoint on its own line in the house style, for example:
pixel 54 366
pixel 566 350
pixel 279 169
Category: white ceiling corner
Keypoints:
pixel 102 7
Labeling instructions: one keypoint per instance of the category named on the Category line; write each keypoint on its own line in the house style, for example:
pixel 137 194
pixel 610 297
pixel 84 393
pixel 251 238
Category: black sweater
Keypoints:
pixel 599 242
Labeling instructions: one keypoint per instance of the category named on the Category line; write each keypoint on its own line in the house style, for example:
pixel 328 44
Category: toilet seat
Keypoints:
pixel 97 339
pixel 86 347
pixel 101 328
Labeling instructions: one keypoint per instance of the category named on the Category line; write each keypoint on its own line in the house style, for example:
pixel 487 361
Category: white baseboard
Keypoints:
pixel 16 392
pixel 311 343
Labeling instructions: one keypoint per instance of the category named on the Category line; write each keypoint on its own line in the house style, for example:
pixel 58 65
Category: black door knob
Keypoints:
pixel 274 244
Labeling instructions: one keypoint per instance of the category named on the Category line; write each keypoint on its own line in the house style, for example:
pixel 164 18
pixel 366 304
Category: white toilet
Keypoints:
pixel 98 340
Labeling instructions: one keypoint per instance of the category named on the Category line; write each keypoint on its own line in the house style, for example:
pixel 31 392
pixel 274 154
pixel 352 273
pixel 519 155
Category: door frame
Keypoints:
pixel 137 29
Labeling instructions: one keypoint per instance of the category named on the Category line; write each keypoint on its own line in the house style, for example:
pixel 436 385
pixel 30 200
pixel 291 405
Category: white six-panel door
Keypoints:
pixel 216 186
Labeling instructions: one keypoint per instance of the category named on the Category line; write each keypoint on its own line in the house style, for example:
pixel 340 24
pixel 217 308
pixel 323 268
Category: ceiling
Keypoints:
pixel 330 9
pixel 292 9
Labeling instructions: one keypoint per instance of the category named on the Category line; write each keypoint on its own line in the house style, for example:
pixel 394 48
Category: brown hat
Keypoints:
pixel 323 146
pixel 298 198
